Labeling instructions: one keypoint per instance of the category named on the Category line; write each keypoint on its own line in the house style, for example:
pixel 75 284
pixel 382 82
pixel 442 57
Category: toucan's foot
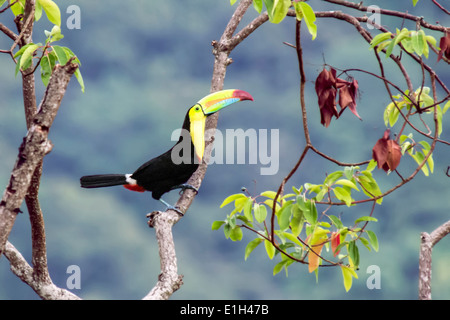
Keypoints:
pixel 185 186
pixel 170 207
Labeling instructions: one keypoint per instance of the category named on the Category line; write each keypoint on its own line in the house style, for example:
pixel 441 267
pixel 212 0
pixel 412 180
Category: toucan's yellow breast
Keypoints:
pixel 197 121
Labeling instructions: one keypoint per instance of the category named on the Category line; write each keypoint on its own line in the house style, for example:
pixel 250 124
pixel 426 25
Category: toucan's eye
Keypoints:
pixel 197 108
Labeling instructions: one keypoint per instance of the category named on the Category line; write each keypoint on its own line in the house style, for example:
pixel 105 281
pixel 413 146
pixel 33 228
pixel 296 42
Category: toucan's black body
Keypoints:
pixel 172 170
pixel 158 175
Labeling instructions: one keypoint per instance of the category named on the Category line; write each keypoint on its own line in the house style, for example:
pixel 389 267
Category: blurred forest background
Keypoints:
pixel 144 63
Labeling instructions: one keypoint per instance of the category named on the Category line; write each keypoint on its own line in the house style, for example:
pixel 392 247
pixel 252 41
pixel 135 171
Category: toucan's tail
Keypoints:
pixel 103 180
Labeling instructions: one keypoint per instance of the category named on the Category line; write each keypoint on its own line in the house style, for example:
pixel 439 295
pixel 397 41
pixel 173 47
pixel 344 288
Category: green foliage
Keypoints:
pixel 50 54
pixel 300 227
pixel 412 41
pixel 50 8
pixel 304 12
pixel 277 10
pixel 419 152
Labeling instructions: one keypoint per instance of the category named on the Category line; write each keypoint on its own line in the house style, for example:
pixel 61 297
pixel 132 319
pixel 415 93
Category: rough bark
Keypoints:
pixel 34 147
pixel 428 241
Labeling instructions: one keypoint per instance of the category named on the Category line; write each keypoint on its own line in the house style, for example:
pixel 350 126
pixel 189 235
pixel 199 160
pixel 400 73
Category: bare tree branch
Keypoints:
pixel 428 241
pixel 33 149
pixel 169 280
pixel 20 267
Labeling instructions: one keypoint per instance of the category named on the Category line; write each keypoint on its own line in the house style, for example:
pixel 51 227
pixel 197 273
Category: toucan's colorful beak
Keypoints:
pixel 206 106
pixel 220 99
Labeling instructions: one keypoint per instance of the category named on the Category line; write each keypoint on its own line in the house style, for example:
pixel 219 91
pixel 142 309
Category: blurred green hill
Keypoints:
pixel 143 65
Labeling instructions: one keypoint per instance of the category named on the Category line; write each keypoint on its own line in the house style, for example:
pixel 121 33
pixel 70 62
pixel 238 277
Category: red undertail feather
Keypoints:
pixel 134 187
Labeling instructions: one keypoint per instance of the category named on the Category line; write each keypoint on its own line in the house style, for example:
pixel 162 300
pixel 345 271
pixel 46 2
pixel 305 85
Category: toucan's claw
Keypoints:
pixel 170 207
pixel 185 186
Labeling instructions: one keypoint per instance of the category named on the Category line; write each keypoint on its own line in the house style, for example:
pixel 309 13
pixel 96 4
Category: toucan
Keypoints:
pixel 172 169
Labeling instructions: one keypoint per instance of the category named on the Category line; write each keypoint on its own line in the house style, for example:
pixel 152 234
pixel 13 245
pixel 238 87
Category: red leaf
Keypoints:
pixel 327 88
pixel 314 259
pixel 445 47
pixel 326 93
pixel 387 153
pixel 347 97
pixel 335 242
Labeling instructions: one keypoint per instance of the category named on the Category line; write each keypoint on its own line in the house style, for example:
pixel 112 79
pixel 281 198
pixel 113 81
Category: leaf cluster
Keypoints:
pixel 32 55
pixel 301 232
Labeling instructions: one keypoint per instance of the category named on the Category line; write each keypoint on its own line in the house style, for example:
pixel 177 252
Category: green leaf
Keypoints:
pixel 419 157
pixel 297 220
pixel 18 7
pixel 399 37
pixel 332 177
pixel 426 149
pixel 372 165
pixel 417 42
pixel 216 225
pixel 258 5
pixel 279 266
pixel 347 183
pixel 293 238
pixel 77 74
pixel 284 215
pixel 350 171
pixel 251 246
pixel 248 209
pixel 373 239
pixel 309 209
pixel 353 253
pixel 232 2
pixel 313 187
pixel 343 195
pixel 227 230
pixel 439 116
pixel 369 185
pixel 61 54
pixel 277 9
pixel 27 56
pixel 38 11
pixel 336 221
pixel 304 12
pixel 415 2
pixel 446 107
pixel 52 11
pixel 16 71
pixel 270 249
pixel 236 234
pixel 48 62
pixel 348 274
pixel 379 38
pixel 232 198
pixel 54 35
pixel 20 52
pixel 269 194
pixel 366 218
pixel 260 212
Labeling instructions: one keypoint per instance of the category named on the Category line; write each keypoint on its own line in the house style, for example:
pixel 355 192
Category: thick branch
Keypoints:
pixel 25 272
pixel 169 280
pixel 33 149
pixel 428 241
pixel 403 15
